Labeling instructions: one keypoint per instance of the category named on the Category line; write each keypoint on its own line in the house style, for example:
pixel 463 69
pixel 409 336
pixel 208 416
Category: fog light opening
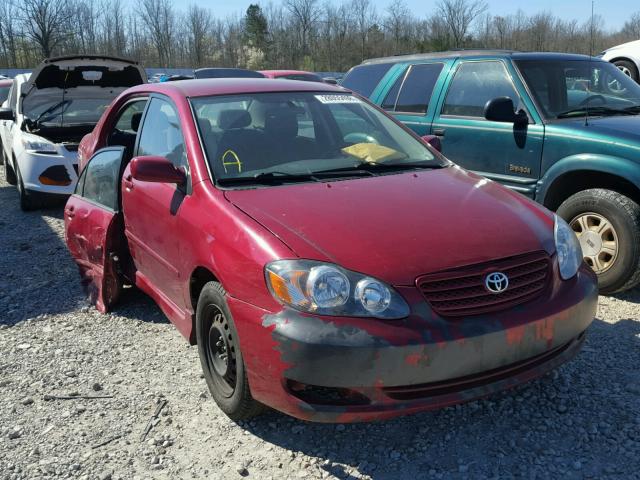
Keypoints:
pixel 315 394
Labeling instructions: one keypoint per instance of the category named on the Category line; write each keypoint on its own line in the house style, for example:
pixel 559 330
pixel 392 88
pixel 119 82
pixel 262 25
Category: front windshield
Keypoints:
pixel 301 133
pixel 70 111
pixel 565 89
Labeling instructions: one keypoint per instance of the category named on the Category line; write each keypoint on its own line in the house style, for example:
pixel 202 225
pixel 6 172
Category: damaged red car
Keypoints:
pixel 327 262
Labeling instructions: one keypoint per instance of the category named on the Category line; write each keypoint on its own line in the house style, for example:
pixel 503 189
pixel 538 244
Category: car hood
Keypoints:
pixel 625 127
pixel 89 76
pixel 634 44
pixel 397 227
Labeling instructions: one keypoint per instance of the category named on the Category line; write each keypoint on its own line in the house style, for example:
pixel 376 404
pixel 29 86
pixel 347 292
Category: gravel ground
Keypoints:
pixel 581 421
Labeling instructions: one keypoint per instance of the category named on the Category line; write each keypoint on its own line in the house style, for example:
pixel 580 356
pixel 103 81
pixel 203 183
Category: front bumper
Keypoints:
pixel 332 369
pixel 63 164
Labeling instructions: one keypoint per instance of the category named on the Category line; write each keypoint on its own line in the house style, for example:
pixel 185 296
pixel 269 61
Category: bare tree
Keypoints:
pixel 397 23
pixel 46 23
pixel 364 17
pixel 305 14
pixel 198 26
pixel 459 15
pixel 8 32
pixel 159 19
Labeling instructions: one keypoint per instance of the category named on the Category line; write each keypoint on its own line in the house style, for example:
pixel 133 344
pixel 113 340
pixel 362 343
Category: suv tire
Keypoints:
pixel 220 355
pixel 9 173
pixel 617 218
pixel 28 201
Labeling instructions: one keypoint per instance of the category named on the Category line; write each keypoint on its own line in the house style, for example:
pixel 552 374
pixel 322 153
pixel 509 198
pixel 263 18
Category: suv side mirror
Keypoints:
pixel 6 114
pixel 156 169
pixel 501 109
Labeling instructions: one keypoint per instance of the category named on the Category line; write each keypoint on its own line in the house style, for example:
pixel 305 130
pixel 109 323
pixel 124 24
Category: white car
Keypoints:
pixel 626 57
pixel 49 112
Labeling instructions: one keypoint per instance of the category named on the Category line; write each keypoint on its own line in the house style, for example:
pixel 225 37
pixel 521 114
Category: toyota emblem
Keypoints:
pixel 496 282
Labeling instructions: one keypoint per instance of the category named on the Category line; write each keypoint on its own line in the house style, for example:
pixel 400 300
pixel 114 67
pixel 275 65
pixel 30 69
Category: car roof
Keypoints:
pixel 516 55
pixel 229 86
pixel 287 72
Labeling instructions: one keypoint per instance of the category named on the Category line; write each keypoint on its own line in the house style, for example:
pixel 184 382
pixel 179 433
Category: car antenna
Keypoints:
pixel 586 117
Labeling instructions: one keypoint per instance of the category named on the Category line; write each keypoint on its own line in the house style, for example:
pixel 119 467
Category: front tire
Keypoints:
pixel 220 355
pixel 9 173
pixel 628 68
pixel 608 226
pixel 27 201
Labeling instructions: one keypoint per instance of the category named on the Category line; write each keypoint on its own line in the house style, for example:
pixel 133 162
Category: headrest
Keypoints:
pixel 229 119
pixel 281 121
pixel 135 121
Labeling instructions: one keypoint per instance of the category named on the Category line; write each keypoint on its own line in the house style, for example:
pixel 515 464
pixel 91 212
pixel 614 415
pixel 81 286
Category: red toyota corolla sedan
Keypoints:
pixel 327 262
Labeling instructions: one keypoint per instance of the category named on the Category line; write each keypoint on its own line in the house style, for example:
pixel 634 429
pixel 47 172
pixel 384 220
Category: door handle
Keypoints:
pixel 438 132
pixel 127 182
pixel 70 212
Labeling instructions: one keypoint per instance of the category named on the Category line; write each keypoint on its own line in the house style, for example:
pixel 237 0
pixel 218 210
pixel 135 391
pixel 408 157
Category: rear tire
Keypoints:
pixel 612 244
pixel 220 355
pixel 628 68
pixel 9 173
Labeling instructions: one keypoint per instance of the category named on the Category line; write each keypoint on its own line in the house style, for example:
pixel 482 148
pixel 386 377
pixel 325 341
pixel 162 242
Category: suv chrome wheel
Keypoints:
pixel 598 239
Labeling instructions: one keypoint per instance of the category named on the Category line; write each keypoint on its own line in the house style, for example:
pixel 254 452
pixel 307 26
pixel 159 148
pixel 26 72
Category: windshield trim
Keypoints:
pixel 437 156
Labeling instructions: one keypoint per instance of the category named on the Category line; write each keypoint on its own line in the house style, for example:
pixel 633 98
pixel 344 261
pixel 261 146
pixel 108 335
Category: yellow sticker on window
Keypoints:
pixel 235 161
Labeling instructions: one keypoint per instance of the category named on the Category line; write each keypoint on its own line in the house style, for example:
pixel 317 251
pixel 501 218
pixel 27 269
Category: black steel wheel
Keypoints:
pixel 221 357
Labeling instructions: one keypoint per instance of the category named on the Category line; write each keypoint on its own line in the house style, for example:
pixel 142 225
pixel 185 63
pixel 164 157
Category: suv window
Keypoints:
pixel 161 133
pixel 100 179
pixel 364 78
pixel 412 91
pixel 474 84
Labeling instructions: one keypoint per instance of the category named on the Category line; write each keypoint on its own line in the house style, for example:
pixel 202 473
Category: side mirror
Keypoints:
pixel 501 109
pixel 156 169
pixel 6 114
pixel 434 141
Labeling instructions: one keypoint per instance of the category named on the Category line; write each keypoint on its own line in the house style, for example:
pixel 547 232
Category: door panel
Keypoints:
pixel 498 150
pixel 91 231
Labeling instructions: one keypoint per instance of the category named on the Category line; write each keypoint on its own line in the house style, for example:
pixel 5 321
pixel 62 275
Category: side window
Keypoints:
pixel 364 78
pixel 414 93
pixel 129 117
pixel 101 177
pixel 161 133
pixel 474 84
pixel 389 102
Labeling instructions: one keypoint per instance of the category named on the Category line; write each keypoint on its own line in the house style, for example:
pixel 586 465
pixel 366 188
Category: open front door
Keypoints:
pixel 94 227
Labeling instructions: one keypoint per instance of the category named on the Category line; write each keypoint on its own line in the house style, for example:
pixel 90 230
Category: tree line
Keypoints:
pixel 306 34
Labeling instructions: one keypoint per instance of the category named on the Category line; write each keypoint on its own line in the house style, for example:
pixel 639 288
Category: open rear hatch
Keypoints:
pixel 65 96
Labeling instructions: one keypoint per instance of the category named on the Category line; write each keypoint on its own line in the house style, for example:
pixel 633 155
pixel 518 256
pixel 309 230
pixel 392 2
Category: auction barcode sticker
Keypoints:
pixel 337 99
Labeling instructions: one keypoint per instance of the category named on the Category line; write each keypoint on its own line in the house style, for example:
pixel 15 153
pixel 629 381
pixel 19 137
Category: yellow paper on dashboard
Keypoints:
pixel 371 152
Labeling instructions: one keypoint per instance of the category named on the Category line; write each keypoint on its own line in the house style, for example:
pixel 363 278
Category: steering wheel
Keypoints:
pixel 360 138
pixel 593 97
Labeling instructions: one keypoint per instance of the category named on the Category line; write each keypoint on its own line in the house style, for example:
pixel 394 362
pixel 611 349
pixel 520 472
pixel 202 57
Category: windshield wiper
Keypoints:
pixel 595 111
pixel 372 168
pixel 268 178
pixel 51 109
pixel 633 109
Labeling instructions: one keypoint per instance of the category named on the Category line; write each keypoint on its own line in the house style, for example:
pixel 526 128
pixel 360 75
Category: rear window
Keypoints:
pixel 364 78
pixel 411 92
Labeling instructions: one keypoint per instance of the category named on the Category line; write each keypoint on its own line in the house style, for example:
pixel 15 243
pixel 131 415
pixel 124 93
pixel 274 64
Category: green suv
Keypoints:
pixel 561 129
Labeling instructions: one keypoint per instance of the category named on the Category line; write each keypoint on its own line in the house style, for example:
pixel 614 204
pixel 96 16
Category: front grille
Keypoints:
pixel 462 291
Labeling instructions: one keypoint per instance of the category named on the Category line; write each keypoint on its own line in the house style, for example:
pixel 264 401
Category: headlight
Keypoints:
pixel 327 289
pixel 567 247
pixel 35 144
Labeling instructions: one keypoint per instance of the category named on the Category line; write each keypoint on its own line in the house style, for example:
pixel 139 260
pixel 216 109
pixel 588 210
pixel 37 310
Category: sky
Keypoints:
pixel 614 12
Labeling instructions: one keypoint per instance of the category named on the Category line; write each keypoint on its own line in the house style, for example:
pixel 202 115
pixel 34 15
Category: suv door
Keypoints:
pixel 501 151
pixel 93 223
pixel 152 209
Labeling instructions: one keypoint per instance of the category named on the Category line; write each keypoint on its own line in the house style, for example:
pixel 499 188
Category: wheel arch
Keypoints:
pixel 627 59
pixel 572 175
pixel 199 277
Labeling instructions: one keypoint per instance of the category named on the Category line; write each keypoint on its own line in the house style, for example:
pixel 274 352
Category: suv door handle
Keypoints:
pixel 127 182
pixel 438 132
